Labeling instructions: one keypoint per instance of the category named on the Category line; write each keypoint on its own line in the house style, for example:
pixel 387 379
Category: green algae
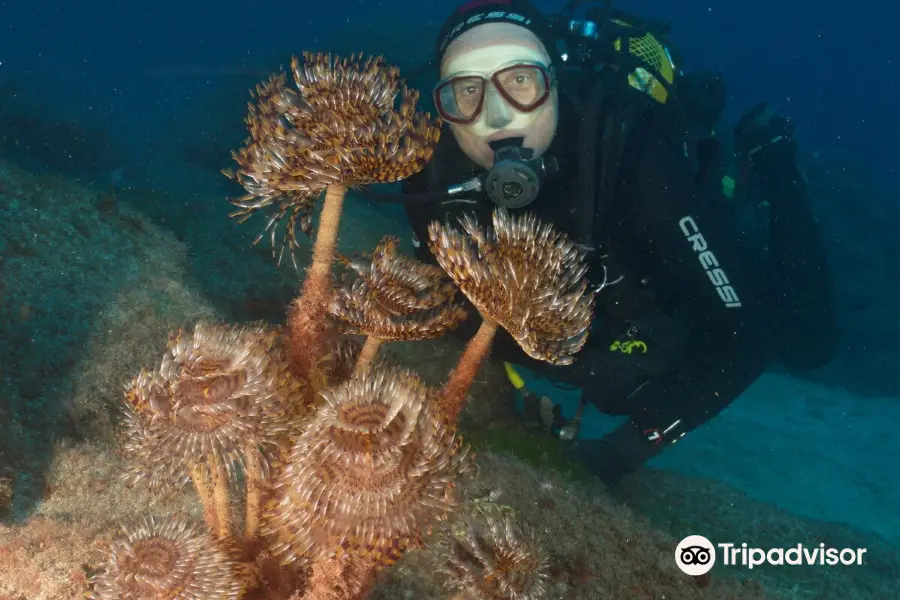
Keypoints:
pixel 533 447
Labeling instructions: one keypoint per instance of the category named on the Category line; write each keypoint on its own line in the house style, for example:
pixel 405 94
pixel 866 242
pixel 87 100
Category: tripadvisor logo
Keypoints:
pixel 696 555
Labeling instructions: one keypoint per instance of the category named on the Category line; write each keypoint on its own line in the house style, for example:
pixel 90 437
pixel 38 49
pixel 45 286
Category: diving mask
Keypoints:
pixel 523 84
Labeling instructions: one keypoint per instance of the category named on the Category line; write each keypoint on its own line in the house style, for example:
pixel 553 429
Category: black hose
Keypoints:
pixel 420 198
pixel 586 182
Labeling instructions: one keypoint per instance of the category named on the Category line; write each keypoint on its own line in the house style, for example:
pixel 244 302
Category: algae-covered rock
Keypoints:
pixel 90 288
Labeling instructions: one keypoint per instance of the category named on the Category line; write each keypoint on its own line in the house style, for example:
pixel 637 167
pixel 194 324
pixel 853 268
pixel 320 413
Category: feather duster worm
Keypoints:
pixel 338 363
pixel 524 276
pixel 496 559
pixel 221 396
pixel 338 128
pixel 166 561
pixel 395 298
pixel 374 466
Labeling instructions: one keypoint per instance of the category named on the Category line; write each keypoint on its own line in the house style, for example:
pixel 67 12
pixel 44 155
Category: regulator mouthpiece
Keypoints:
pixel 515 179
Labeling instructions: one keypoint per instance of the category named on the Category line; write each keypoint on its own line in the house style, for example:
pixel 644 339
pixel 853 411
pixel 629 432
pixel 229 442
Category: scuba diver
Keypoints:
pixel 591 125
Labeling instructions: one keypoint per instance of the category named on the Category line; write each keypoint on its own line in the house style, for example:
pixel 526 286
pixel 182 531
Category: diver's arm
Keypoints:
pixel 662 410
pixel 799 274
pixel 803 305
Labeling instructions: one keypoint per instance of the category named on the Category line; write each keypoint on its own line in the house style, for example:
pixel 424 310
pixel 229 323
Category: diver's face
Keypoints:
pixel 482 51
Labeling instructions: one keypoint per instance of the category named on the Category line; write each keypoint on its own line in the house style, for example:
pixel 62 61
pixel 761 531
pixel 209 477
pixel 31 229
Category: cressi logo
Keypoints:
pixel 710 263
pixel 496 15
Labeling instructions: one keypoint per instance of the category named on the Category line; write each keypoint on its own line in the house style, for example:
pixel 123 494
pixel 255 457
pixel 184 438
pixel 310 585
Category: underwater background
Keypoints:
pixel 115 119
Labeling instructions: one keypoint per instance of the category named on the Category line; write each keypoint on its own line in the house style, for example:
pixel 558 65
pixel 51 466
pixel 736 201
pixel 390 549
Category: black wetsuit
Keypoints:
pixel 698 314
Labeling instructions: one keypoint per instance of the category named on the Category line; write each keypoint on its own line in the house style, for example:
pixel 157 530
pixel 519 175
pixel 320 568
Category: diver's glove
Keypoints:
pixel 617 454
pixel 765 138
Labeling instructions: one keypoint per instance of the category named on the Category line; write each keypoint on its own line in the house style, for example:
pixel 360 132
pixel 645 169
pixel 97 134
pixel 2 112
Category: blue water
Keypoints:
pixel 157 91
pixel 143 68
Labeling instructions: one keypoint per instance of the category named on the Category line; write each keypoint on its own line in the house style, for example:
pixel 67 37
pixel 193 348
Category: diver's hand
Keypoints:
pixel 764 137
pixel 619 453
pixel 542 413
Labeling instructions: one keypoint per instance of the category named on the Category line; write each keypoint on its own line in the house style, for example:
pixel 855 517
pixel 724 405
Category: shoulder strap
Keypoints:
pixel 616 128
pixel 633 70
pixel 607 117
pixel 588 132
